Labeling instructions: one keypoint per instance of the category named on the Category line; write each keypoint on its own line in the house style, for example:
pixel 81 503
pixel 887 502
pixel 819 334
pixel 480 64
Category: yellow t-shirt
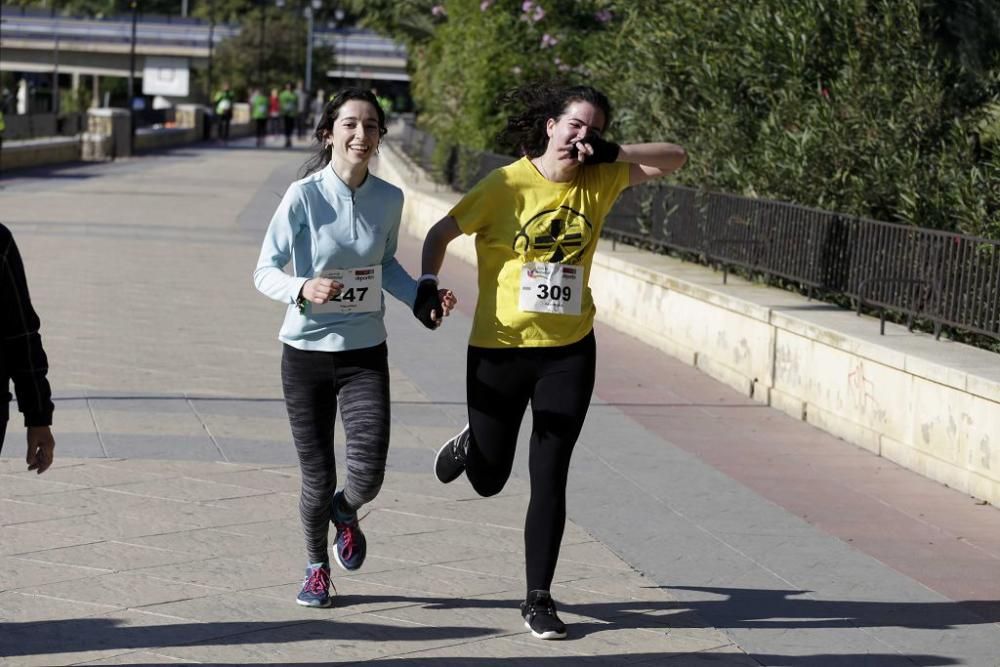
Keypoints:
pixel 520 216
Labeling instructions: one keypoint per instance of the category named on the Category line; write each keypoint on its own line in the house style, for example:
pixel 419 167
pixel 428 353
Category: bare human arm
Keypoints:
pixel 649 161
pixel 436 243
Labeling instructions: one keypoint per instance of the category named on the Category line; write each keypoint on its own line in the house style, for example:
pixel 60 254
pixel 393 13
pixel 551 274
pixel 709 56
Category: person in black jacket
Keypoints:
pixel 22 358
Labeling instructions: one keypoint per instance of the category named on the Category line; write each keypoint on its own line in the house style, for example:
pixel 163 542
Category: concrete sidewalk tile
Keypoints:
pixel 252 425
pixel 195 447
pixel 247 607
pixel 106 501
pixel 29 605
pixel 116 525
pixel 262 506
pixel 253 571
pixel 496 652
pixel 594 554
pixel 137 467
pixel 123 589
pixel 259 451
pixel 188 489
pixel 14 512
pixel 112 555
pixel 139 658
pixel 23 486
pixel 499 612
pixel 91 473
pixel 270 478
pixel 427 548
pixel 505 511
pixel 281 533
pixel 26 538
pixel 67 641
pixel 361 637
pixel 210 542
pixel 257 412
pixel 18 572
pixel 442 581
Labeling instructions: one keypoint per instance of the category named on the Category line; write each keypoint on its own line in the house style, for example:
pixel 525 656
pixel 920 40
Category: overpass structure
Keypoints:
pixel 31 41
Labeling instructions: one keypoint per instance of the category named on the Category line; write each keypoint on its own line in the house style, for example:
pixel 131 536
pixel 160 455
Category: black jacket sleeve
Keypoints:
pixel 22 358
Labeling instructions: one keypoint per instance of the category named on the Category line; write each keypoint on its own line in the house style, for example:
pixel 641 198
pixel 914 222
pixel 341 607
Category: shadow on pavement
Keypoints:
pixel 651 659
pixel 741 608
pixel 782 609
pixel 103 634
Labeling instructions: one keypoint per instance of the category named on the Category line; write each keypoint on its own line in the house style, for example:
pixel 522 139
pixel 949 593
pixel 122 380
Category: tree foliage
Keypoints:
pixel 281 56
pixel 880 108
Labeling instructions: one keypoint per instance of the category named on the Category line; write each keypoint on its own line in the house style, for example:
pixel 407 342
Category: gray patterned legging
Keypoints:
pixel 312 383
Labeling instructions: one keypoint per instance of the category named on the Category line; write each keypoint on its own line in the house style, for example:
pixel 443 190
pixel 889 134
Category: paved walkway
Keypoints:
pixel 704 527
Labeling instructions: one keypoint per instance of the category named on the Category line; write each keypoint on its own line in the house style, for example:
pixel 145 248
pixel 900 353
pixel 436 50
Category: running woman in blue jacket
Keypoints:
pixel 337 230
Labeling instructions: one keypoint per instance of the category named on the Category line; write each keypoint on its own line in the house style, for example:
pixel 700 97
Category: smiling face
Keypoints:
pixel 577 119
pixel 355 134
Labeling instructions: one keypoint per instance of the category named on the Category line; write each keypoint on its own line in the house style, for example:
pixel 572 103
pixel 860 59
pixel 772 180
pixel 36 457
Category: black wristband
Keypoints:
pixel 604 151
pixel 427 300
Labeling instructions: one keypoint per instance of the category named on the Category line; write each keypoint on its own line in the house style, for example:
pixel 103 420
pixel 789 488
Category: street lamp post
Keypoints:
pixel 131 80
pixel 309 12
pixel 55 63
pixel 211 46
pixel 260 45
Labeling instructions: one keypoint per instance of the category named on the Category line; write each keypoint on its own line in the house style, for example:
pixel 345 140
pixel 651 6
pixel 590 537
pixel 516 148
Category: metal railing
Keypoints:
pixel 939 278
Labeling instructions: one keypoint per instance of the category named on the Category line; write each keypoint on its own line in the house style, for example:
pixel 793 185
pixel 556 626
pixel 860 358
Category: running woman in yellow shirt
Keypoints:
pixel 536 223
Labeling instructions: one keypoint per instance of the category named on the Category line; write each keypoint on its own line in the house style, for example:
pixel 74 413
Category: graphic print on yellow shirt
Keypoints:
pixel 519 216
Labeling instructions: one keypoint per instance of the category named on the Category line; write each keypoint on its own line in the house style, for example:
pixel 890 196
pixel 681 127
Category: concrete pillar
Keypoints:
pixel 22 97
pixel 76 81
pixel 107 136
pixel 191 116
pixel 95 89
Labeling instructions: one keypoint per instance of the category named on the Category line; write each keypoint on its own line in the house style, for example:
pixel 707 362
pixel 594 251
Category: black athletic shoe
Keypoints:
pixel 451 458
pixel 539 612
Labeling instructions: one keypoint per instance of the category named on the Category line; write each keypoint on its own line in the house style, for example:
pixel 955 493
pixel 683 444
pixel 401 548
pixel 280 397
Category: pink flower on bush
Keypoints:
pixel 549 40
pixel 527 6
pixel 604 16
pixel 538 15
pixel 438 10
pixel 484 5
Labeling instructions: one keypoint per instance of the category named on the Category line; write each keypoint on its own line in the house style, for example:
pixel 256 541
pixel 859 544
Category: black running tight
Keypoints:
pixel 558 381
pixel 313 382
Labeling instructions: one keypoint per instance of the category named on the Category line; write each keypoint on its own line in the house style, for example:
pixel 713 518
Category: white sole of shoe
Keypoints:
pixel 336 557
pixel 551 634
pixel 329 603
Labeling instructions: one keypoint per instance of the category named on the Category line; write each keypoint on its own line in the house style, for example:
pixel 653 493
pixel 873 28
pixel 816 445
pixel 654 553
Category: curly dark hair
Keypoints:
pixel 531 107
pixel 325 125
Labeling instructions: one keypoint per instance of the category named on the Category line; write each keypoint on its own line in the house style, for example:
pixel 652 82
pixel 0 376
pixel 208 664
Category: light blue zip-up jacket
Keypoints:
pixel 321 224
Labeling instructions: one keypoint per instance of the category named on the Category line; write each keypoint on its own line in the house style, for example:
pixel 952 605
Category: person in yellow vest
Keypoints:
pixel 536 224
pixel 289 103
pixel 224 110
pixel 259 104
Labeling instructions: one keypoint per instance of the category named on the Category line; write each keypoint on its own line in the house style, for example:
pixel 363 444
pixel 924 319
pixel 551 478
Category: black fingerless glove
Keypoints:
pixel 427 300
pixel 604 151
